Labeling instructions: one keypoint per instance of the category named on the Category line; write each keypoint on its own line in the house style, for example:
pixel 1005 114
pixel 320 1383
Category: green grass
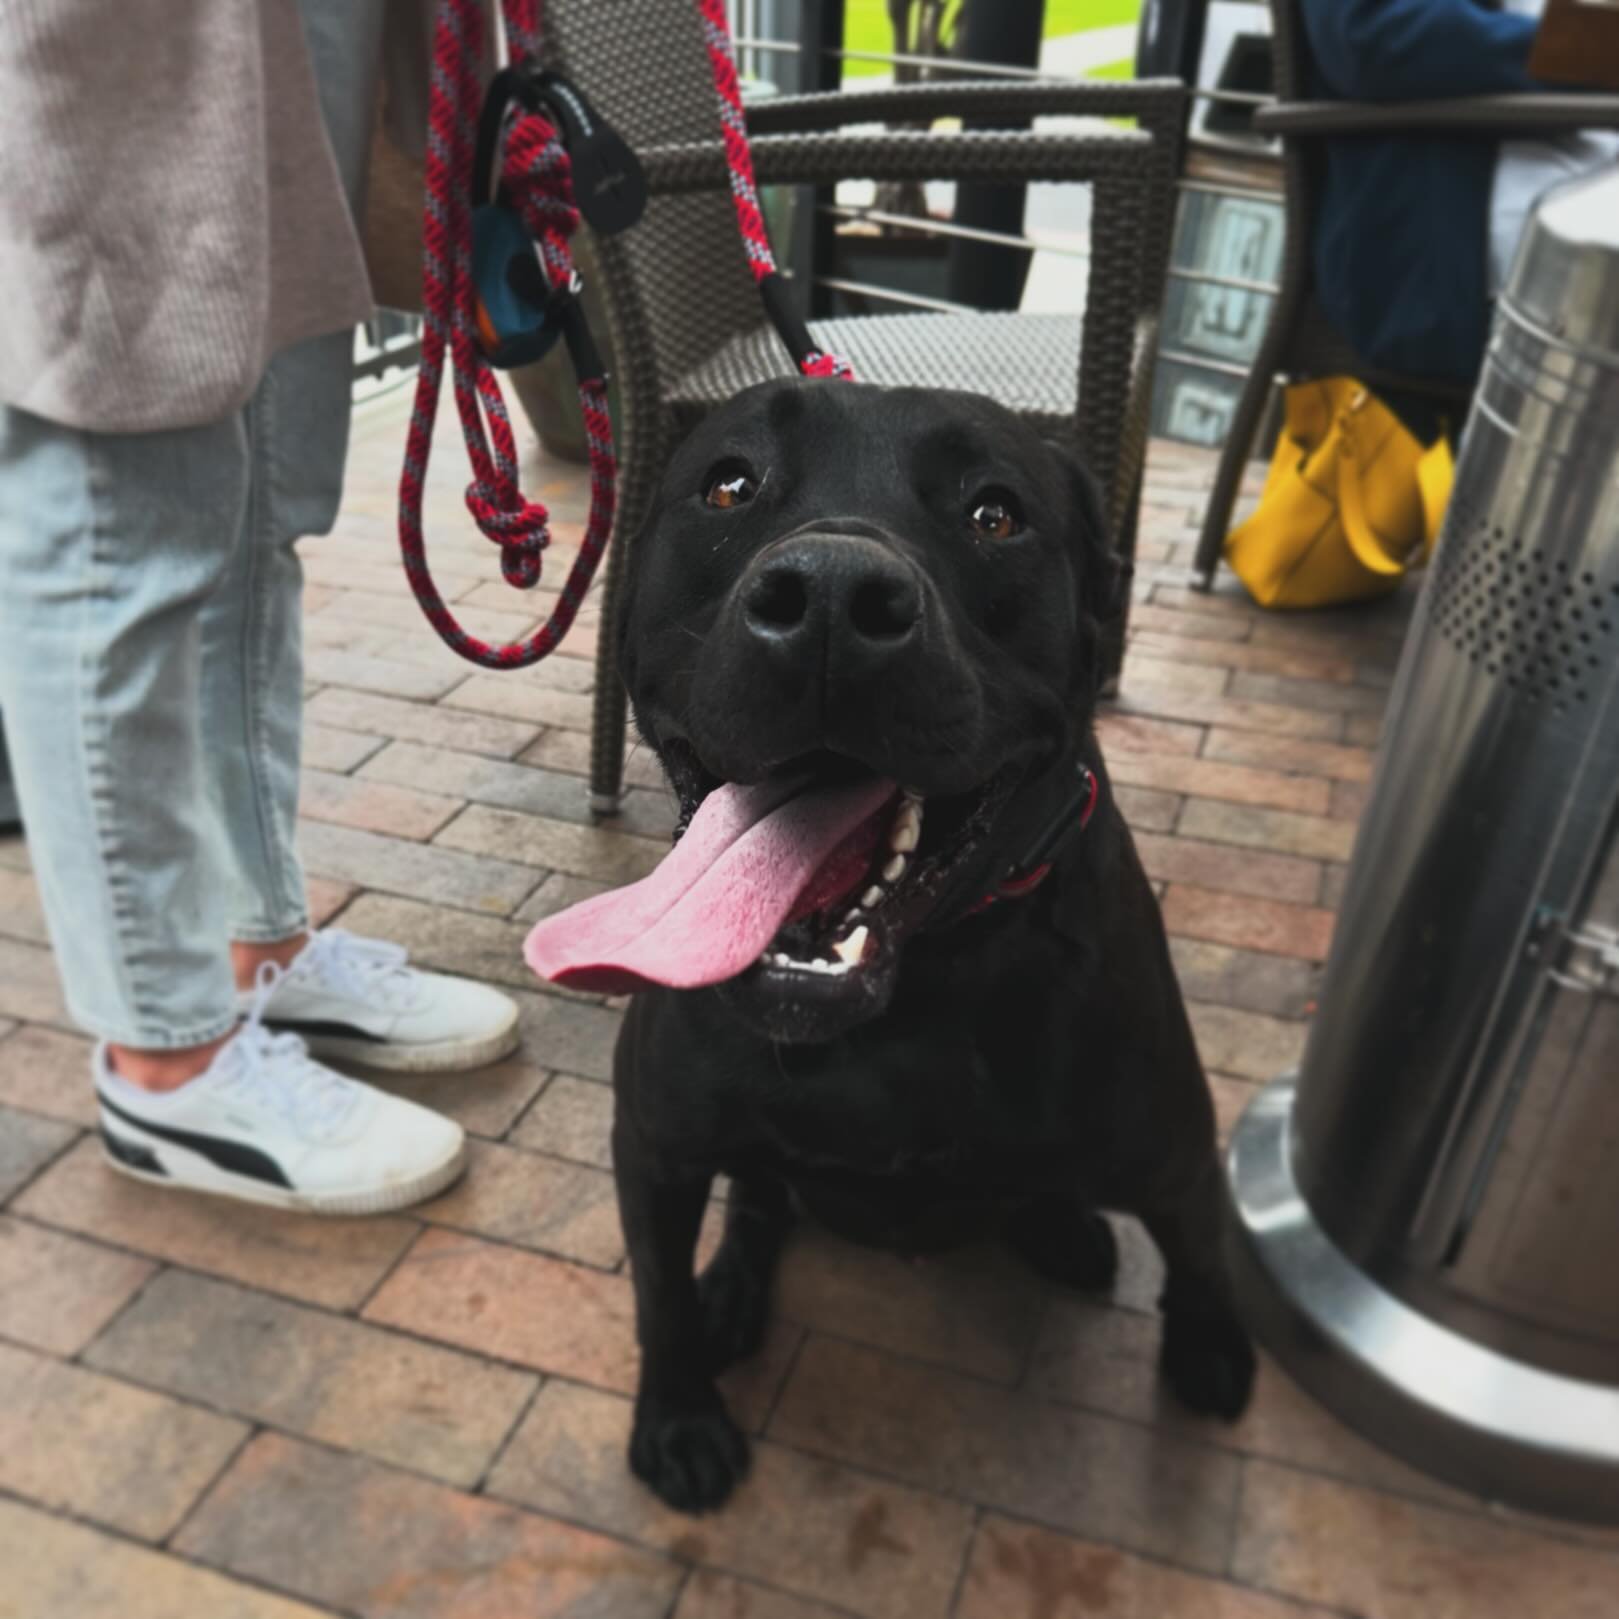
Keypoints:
pixel 865 26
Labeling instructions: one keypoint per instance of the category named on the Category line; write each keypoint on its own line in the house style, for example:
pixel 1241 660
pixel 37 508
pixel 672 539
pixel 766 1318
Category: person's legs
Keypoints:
pixel 110 545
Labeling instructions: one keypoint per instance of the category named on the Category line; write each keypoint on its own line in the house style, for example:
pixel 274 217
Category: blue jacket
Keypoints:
pixel 1401 232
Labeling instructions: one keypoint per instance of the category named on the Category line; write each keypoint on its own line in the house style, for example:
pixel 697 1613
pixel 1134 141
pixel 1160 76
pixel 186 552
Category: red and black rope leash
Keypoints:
pixel 536 179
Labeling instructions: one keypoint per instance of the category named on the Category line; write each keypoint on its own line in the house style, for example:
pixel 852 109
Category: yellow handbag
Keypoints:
pixel 1351 501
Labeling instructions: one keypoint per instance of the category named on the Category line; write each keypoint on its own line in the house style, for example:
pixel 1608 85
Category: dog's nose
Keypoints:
pixel 850 594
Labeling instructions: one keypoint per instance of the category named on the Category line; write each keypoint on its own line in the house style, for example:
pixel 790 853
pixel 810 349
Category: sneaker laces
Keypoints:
pixel 276 1071
pixel 367 969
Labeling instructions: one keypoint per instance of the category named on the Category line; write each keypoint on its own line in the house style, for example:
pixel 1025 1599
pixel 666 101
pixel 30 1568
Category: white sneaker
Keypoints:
pixel 266 1123
pixel 356 999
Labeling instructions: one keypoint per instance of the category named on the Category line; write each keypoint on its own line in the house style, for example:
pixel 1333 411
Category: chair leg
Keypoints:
pixel 1115 634
pixel 610 711
pixel 1234 458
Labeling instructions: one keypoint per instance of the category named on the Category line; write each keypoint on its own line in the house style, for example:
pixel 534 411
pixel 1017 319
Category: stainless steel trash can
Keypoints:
pixel 1426 1220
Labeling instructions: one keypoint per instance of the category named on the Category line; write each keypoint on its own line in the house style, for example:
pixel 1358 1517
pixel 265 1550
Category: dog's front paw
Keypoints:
pixel 1208 1363
pixel 690 1456
pixel 736 1310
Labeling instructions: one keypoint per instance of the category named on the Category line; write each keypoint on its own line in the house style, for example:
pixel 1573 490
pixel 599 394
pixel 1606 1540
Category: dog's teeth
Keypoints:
pixel 852 948
pixel 895 869
pixel 872 896
pixel 907 827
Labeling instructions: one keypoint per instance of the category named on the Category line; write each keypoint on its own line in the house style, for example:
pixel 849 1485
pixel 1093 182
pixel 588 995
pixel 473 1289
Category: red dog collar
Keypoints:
pixel 1028 874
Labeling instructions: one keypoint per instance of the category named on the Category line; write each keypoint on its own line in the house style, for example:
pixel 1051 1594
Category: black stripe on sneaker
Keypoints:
pixel 327 1030
pixel 132 1153
pixel 234 1156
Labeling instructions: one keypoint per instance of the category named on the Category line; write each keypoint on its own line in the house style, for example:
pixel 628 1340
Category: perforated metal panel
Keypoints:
pixel 1544 625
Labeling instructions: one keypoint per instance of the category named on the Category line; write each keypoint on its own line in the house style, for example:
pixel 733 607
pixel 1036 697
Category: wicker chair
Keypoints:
pixel 686 324
pixel 1299 342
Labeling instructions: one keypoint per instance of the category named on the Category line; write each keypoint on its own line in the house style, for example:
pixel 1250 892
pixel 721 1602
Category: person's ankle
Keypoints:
pixel 246 959
pixel 163 1070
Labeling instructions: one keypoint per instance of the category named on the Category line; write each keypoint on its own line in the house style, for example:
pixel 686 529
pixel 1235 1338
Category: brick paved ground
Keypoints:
pixel 215 1412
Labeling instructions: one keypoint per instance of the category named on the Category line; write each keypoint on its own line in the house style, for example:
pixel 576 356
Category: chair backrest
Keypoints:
pixel 679 285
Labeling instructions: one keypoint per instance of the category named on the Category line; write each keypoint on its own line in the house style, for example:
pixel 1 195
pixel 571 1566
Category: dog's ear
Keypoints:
pixel 1101 576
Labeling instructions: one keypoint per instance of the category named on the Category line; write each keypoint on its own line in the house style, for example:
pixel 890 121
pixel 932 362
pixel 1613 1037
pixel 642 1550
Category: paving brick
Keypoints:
pixel 380 1544
pixel 27 1143
pixel 1244 655
pixel 1245 979
pixel 1333 880
pixel 1231 1099
pixel 326 565
pixel 331 1262
pixel 520 699
pixel 418 722
pixel 1364 730
pixel 46 1071
pixel 1239 784
pixel 1245 1044
pixel 1384 1558
pixel 484 1101
pixel 1349 799
pixel 1251 924
pixel 57 1292
pixel 646 812
pixel 873 1548
pixel 1335 696
pixel 60 1570
pixel 557 893
pixel 326 898
pixel 558 1318
pixel 523 1307
pixel 1274 719
pixel 1019 1570
pixel 1105 1359
pixel 450 940
pixel 1144 809
pixel 1121 733
pixel 572 1119
pixel 402 613
pixel 582 851
pixel 536 1202
pixel 1071 1470
pixel 29 988
pixel 1233 870
pixel 86 1444
pixel 1315 837
pixel 324 1377
pixel 717 1596
pixel 569 751
pixel 21 916
pixel 1151 617
pixel 1142 668
pixel 362 671
pixel 1289 753
pixel 432 871
pixel 373 806
pixel 975 1311
pixel 575 1036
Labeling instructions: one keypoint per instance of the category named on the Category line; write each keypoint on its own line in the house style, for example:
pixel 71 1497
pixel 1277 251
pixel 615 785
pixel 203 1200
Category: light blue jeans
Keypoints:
pixel 151 670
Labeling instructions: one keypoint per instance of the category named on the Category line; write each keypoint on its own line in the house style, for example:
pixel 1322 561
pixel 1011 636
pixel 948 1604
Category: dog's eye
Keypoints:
pixel 729 484
pixel 995 512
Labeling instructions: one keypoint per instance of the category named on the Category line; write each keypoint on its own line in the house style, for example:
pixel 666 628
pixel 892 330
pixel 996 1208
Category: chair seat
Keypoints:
pixel 1029 363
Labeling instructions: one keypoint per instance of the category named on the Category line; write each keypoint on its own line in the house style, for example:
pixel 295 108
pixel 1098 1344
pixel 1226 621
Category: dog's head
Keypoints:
pixel 849 594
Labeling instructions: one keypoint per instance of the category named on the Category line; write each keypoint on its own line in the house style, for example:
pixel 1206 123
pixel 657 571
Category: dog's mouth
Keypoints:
pixel 802 887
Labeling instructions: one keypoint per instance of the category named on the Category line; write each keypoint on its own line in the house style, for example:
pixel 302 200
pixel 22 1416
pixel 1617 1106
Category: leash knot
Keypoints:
pixel 521 528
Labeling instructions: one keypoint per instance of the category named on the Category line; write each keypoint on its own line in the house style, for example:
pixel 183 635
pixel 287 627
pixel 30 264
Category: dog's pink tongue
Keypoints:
pixel 717 898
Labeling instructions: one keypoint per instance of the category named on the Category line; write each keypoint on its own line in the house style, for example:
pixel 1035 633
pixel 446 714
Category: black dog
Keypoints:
pixel 882 608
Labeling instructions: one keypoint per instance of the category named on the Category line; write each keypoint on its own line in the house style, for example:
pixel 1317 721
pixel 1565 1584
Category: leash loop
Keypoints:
pixel 516 142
